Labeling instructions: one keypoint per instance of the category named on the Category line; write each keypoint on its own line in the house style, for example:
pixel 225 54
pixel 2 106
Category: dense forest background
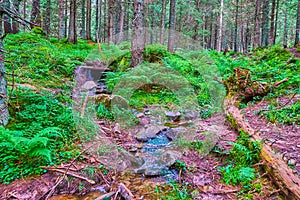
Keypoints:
pixel 238 25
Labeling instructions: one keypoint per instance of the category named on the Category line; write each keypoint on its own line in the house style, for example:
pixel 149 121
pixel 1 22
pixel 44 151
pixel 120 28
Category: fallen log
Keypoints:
pixel 282 175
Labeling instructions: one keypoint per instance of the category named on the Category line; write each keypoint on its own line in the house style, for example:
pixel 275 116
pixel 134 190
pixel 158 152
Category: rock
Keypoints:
pixel 191 114
pixel 172 115
pixel 149 133
pixel 145 121
pixel 129 161
pixel 174 133
pixel 140 115
pixel 89 85
pixel 168 158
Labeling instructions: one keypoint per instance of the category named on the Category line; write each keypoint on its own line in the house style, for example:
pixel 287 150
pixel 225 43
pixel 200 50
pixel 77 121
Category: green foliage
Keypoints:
pixel 155 52
pixel 41 62
pixel 104 113
pixel 287 115
pixel 245 152
pixel 40 132
pixel 173 191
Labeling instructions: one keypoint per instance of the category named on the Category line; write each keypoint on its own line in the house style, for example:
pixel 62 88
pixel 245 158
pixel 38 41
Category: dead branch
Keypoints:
pixel 125 192
pixel 105 196
pixel 69 173
pixel 280 82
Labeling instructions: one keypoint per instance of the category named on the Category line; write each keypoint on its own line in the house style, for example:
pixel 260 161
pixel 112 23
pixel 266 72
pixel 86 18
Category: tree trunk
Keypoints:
pixel 297 25
pixel 236 25
pixel 276 21
pixel 285 29
pixel 7 19
pixel 97 19
pixel 4 114
pixel 272 26
pixel 65 19
pixel 146 19
pixel 88 19
pixel 83 31
pixel 35 13
pixel 220 27
pixel 121 21
pixel 47 18
pixel 265 36
pixel 137 42
pixel 15 25
pixel 24 14
pixel 72 37
pixel 256 39
pixel 171 40
pixel 162 22
pixel 61 19
pixel 111 6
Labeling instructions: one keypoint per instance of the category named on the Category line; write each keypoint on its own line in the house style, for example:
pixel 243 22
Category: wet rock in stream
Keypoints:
pixel 149 133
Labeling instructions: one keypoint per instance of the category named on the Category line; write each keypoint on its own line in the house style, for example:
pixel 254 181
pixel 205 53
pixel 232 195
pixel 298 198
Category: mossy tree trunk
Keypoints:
pixel 4 114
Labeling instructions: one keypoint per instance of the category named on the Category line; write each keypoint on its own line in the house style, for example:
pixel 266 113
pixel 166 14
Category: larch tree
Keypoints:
pixel 219 48
pixel 138 33
pixel 297 35
pixel 121 21
pixel 272 23
pixel 111 9
pixel 171 39
pixel 265 28
pixel 72 36
pixel 256 39
pixel 47 18
pixel 83 24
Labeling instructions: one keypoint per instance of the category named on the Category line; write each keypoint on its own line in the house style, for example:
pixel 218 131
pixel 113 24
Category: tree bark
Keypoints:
pixel 4 114
pixel 219 48
pixel 61 19
pixel 15 25
pixel 297 36
pixel 265 35
pixel 272 26
pixel 137 42
pixel 285 30
pixel 256 39
pixel 7 19
pixel 171 40
pixel 111 6
pixel 35 13
pixel 236 25
pixel 47 18
pixel 83 30
pixel 72 37
pixel 276 21
pixel 146 19
pixel 88 19
pixel 121 22
pixel 162 22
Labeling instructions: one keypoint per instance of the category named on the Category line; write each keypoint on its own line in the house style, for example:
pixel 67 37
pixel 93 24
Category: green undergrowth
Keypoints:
pixel 244 153
pixel 41 132
pixel 40 62
pixel 288 115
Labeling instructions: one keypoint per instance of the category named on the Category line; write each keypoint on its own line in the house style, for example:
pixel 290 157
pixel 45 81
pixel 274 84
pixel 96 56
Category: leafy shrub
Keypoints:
pixel 104 113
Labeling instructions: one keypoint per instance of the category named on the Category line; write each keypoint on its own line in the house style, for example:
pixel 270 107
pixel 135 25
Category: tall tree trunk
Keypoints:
pixel 15 25
pixel 65 19
pixel 35 13
pixel 105 21
pixel 220 27
pixel 7 19
pixel 236 25
pixel 61 19
pixel 285 33
pixel 137 42
pixel 272 26
pixel 276 21
pixel 88 19
pixel 256 39
pixel 171 40
pixel 111 6
pixel 121 22
pixel 162 22
pixel 265 36
pixel 47 18
pixel 72 37
pixel 97 19
pixel 297 25
pixel 83 30
pixel 4 114
pixel 24 13
pixel 146 19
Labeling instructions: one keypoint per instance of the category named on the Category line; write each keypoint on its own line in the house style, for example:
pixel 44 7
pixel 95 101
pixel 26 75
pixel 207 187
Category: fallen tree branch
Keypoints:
pixel 69 173
pixel 279 171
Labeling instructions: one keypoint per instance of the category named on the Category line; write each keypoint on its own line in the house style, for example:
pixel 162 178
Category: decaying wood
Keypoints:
pixel 280 172
pixel 70 174
pixel 105 196
pixel 125 192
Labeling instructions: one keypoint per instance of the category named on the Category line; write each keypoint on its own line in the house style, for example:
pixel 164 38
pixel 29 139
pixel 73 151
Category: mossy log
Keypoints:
pixel 282 175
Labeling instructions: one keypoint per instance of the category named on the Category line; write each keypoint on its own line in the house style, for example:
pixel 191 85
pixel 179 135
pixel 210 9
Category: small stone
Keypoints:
pixel 298 145
pixel 172 115
pixel 89 85
pixel 140 115
pixel 292 162
pixel 190 115
pixel 149 133
pixel 174 133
